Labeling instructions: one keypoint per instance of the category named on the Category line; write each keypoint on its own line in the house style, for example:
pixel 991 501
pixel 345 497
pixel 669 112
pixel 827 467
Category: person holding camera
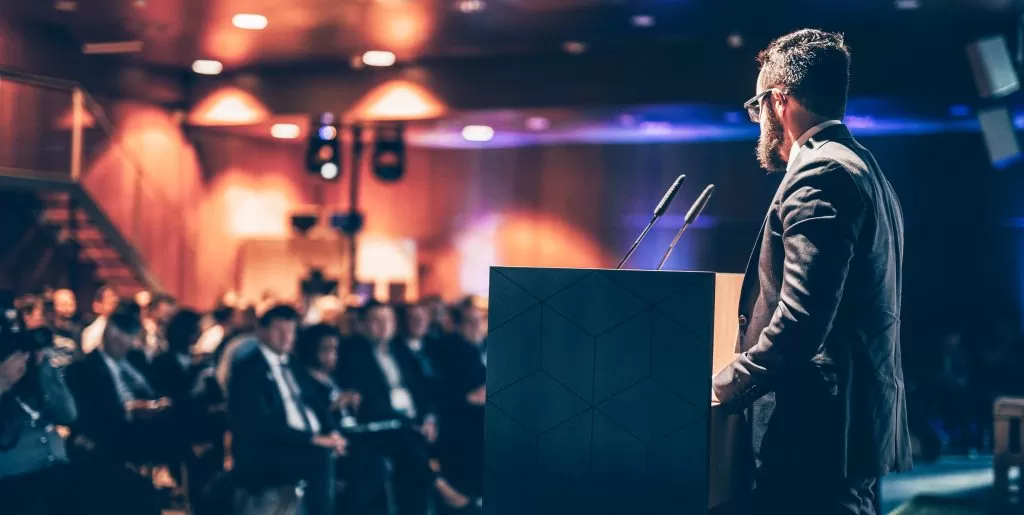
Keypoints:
pixel 34 400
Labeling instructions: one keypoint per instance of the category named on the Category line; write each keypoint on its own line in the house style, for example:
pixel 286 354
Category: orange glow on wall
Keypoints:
pixel 404 28
pixel 228 106
pixel 397 100
pixel 66 121
pixel 382 260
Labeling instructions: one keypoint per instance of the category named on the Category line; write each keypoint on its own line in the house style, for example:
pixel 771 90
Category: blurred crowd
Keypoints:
pixel 135 405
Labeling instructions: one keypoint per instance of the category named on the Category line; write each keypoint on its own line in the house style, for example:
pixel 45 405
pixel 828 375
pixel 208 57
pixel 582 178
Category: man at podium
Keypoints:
pixel 819 368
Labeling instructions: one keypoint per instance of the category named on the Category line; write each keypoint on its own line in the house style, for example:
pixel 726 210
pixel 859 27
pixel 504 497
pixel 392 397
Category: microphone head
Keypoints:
pixel 669 195
pixel 699 204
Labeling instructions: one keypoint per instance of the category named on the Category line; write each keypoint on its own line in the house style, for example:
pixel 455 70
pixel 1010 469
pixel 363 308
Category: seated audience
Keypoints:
pixel 117 424
pixel 67 333
pixel 33 400
pixel 282 441
pixel 362 474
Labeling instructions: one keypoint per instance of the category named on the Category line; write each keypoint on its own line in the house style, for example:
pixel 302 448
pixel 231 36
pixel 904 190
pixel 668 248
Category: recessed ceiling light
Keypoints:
pixel 471 6
pixel 538 123
pixel 574 47
pixel 65 6
pixel 285 131
pixel 735 40
pixel 378 58
pixel 478 133
pixel 642 20
pixel 907 4
pixel 207 67
pixel 249 21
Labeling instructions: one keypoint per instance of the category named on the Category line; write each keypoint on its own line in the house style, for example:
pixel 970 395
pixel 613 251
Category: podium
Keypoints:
pixel 599 392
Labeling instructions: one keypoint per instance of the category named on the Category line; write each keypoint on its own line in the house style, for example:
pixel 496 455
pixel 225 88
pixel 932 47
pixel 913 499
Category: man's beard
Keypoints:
pixel 769 144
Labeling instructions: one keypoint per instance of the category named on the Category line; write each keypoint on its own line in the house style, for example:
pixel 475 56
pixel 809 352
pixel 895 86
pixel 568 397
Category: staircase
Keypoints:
pixel 72 236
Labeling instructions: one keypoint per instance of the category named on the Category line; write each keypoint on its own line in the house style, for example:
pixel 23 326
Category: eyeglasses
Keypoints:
pixel 753 106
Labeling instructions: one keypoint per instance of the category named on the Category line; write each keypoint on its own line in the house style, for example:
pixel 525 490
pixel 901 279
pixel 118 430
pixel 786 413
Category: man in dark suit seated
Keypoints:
pixel 283 448
pixel 460 363
pixel 392 386
pixel 116 425
pixel 819 310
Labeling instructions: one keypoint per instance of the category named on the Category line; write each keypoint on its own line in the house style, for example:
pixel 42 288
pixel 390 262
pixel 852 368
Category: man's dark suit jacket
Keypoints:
pixel 358 370
pixel 267 451
pixel 101 414
pixel 819 319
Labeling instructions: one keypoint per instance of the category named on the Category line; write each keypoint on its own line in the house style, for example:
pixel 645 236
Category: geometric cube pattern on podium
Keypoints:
pixel 598 388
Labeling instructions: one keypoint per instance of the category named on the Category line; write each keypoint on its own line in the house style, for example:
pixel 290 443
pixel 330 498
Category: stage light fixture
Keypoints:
pixel 538 123
pixel 323 156
pixel 207 67
pixel 303 223
pixel 378 58
pixel 249 21
pixel 389 153
pixel 285 131
pixel 477 133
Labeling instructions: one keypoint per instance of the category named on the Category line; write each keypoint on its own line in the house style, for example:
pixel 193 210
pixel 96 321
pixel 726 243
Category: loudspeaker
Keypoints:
pixel 997 128
pixel 993 68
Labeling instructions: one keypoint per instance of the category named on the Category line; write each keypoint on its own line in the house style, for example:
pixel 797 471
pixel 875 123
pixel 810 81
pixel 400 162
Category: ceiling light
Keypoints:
pixel 329 171
pixel 327 132
pixel 249 21
pixel 285 131
pixel 378 58
pixel 735 40
pixel 907 5
pixel 65 6
pixel 113 47
pixel 642 20
pixel 478 133
pixel 537 123
pixel 471 6
pixel 574 47
pixel 207 67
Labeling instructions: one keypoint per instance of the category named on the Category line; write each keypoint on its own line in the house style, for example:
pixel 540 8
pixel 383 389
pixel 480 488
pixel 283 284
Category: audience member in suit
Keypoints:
pixel 213 336
pixel 414 332
pixel 67 332
pixel 362 474
pixel 116 412
pixel 440 317
pixel 154 324
pixel 461 368
pixel 392 387
pixel 283 439
pixel 33 399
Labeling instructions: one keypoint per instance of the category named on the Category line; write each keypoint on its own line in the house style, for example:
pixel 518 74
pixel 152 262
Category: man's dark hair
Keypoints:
pixel 161 298
pixel 98 296
pixel 223 314
pixel 812 66
pixel 127 316
pixel 278 312
pixel 372 304
pixel 183 330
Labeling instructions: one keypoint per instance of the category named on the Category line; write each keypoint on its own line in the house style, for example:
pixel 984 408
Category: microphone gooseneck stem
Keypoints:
pixel 636 243
pixel 672 247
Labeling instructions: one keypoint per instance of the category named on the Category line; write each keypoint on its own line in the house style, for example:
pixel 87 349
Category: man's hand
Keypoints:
pixel 477 397
pixel 429 429
pixel 348 399
pixel 333 441
pixel 142 407
pixel 12 370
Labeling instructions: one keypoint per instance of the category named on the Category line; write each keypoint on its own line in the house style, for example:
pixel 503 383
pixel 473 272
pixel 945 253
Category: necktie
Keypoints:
pixel 293 389
pixel 136 384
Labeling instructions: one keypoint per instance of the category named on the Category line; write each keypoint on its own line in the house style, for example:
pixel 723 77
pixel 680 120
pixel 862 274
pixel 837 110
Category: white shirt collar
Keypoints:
pixel 273 358
pixel 806 136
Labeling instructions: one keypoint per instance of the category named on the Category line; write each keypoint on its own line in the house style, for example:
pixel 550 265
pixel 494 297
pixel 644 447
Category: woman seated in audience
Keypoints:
pixel 33 401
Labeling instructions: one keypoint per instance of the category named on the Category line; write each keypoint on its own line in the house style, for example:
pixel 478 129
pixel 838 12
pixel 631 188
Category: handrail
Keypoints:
pixel 127 243
pixel 38 80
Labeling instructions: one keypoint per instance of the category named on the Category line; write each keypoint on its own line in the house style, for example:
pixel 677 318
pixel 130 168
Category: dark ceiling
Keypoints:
pixel 176 32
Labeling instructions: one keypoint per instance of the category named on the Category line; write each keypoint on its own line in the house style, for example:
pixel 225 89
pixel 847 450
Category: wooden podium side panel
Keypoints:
pixel 727 299
pixel 598 392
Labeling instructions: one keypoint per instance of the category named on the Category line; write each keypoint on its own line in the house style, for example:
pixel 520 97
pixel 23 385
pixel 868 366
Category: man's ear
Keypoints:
pixel 779 104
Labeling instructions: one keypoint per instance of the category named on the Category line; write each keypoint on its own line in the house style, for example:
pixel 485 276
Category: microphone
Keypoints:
pixel 691 216
pixel 658 211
